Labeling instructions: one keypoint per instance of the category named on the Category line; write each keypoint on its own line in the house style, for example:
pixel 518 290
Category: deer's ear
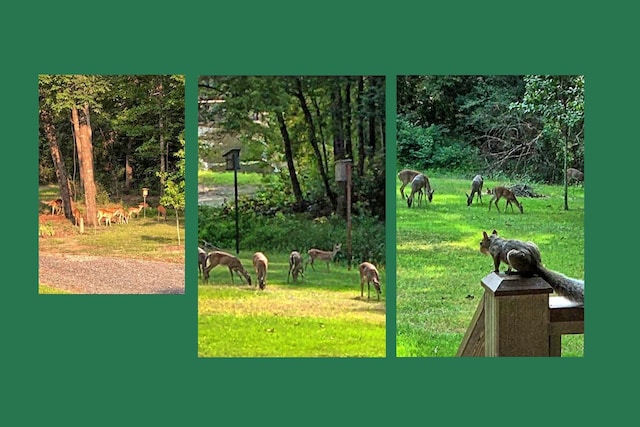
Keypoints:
pixel 495 232
pixel 484 234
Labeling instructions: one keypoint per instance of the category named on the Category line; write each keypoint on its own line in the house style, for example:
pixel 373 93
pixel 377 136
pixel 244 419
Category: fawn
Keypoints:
pixel 162 212
pixel 295 266
pixel 369 273
pixel 419 182
pixel 406 176
pixel 500 192
pixel 131 211
pixel 232 262
pixel 476 188
pixel 322 255
pixel 260 263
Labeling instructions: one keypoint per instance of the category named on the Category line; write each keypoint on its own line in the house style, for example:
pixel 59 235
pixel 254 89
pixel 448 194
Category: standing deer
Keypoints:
pixel 419 182
pixel 476 188
pixel 162 212
pixel 202 260
pixel 107 214
pixel 222 258
pixel 131 211
pixel 406 176
pixel 574 175
pixel 369 273
pixel 322 255
pixel 295 266
pixel 500 192
pixel 76 214
pixel 260 263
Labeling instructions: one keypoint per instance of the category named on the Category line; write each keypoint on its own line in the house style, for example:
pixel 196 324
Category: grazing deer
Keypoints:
pixel 260 263
pixel 476 188
pixel 369 273
pixel 574 175
pixel 131 211
pixel 295 266
pixel 322 255
pixel 500 192
pixel 419 182
pixel 107 214
pixel 222 258
pixel 55 205
pixel 162 212
pixel 406 176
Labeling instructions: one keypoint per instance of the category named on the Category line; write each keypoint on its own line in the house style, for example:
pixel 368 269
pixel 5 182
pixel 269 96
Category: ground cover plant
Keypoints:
pixel 321 315
pixel 439 265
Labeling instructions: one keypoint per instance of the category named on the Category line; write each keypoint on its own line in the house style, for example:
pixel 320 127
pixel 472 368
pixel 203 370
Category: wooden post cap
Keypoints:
pixel 513 284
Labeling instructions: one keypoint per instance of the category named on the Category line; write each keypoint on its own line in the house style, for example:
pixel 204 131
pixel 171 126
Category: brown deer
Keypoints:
pixel 107 214
pixel 55 205
pixel 369 273
pixel 261 264
pixel 222 258
pixel 476 188
pixel 202 260
pixel 295 266
pixel 574 175
pixel 322 255
pixel 76 214
pixel 419 182
pixel 499 192
pixel 162 212
pixel 136 210
pixel 406 176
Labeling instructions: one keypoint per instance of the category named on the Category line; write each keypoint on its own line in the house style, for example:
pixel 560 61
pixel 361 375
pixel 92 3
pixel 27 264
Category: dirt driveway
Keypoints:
pixel 109 275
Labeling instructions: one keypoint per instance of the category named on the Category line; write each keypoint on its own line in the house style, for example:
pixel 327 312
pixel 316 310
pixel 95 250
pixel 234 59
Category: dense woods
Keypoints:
pixel 103 138
pixel 516 126
pixel 292 130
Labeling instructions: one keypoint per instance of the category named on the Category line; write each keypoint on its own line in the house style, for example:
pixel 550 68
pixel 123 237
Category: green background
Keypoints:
pixel 131 360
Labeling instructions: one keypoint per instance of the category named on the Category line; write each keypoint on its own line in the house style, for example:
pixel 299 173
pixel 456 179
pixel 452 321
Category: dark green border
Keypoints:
pixel 132 359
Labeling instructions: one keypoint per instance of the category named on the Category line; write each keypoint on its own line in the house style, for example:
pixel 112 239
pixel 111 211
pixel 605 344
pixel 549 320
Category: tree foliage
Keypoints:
pixel 136 121
pixel 471 124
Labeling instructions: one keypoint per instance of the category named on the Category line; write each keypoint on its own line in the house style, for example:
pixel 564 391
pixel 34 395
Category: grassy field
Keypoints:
pixel 226 178
pixel 319 316
pixel 143 238
pixel 439 265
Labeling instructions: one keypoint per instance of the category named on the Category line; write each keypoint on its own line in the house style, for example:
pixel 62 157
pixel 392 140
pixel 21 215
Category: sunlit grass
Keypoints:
pixel 439 265
pixel 320 316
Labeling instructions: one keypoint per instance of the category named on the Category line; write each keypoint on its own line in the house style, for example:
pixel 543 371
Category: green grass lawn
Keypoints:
pixel 226 178
pixel 319 316
pixel 439 265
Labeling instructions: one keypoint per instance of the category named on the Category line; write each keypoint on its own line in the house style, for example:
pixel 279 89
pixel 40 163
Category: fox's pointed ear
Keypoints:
pixel 495 232
pixel 484 234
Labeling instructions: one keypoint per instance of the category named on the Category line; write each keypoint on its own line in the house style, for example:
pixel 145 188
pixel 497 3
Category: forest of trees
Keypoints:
pixel 104 137
pixel 518 126
pixel 293 130
pixel 300 126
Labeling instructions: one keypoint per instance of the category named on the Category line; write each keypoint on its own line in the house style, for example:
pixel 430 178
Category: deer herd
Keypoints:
pixel 420 185
pixel 108 215
pixel 209 257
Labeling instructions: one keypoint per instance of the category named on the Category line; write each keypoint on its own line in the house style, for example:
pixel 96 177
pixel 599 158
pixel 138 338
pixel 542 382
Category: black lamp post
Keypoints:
pixel 233 163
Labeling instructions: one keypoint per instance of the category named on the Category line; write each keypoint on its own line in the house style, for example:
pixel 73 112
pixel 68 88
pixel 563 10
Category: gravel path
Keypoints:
pixel 108 275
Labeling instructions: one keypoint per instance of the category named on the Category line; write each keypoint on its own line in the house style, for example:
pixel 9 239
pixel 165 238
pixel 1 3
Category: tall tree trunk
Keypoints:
pixel 128 169
pixel 371 113
pixel 85 155
pixel 288 153
pixel 348 145
pixel 314 142
pixel 360 127
pixel 163 162
pixel 320 128
pixel 46 121
pixel 337 129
